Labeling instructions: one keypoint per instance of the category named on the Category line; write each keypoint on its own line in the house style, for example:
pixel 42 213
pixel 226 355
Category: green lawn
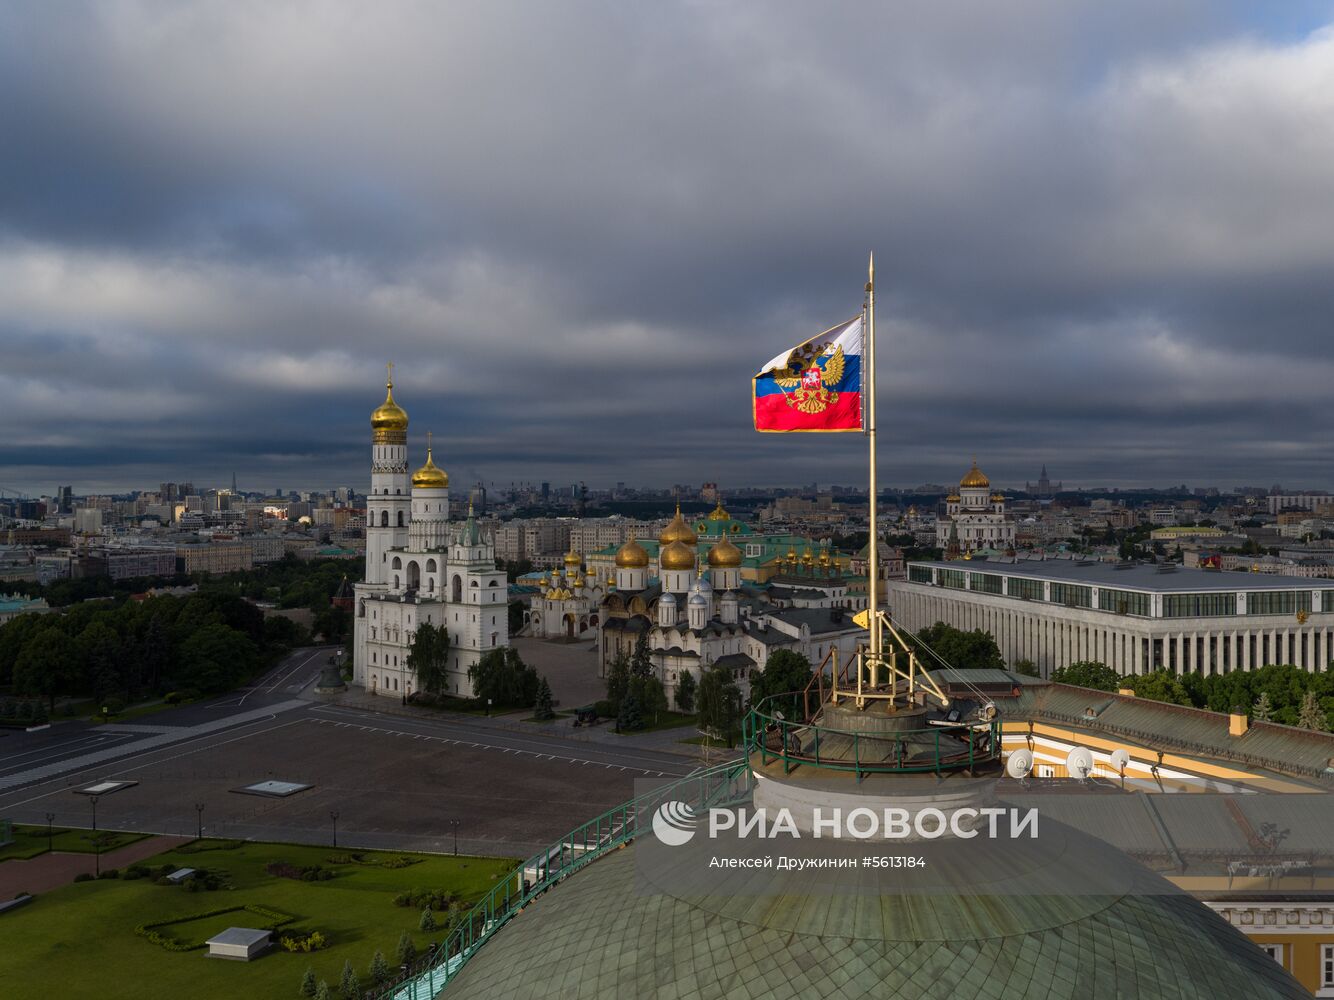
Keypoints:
pixel 82 938
pixel 30 841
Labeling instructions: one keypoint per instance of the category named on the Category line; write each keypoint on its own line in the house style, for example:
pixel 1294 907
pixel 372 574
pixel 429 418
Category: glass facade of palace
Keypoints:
pixel 1133 617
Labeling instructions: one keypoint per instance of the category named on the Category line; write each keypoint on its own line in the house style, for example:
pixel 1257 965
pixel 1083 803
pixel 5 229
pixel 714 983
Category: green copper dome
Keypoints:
pixel 599 935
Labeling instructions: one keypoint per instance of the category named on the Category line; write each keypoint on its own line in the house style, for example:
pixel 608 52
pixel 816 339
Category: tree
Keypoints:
pixel 641 663
pixel 349 986
pixel 784 677
pixel 308 983
pixel 720 704
pixel 1312 716
pixel 504 679
pixel 975 650
pixel 542 708
pixel 618 679
pixel 379 972
pixel 651 695
pixel 1089 674
pixel 1026 667
pixel 100 653
pixel 429 657
pixel 1159 685
pixel 333 623
pixel 322 991
pixel 154 654
pixel 685 692
pixel 216 658
pixel 46 666
pixel 1262 710
pixel 628 716
pixel 406 951
pixel 427 922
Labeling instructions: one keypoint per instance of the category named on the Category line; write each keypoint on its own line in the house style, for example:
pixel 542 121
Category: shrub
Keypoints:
pixel 322 991
pixel 314 941
pixel 309 873
pixel 427 921
pixel 83 877
pixel 308 984
pixel 109 873
pixel 605 709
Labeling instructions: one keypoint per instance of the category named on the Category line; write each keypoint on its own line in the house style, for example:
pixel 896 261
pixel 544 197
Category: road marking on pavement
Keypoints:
pixel 482 746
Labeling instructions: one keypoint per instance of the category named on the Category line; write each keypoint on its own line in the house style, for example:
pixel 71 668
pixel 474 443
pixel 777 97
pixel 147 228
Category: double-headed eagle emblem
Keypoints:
pixel 808 382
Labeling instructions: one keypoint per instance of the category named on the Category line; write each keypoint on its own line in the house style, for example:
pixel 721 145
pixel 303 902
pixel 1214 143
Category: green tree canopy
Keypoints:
pixel 719 701
pixel 785 675
pixel 46 666
pixel 1089 674
pixel 502 677
pixel 973 650
pixel 1158 685
pixel 429 657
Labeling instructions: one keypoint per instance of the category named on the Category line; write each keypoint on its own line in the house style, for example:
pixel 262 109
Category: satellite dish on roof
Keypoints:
pixel 1079 763
pixel 1120 758
pixel 1020 764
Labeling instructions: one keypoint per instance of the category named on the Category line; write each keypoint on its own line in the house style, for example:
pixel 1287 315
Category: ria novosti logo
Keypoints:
pixel 674 823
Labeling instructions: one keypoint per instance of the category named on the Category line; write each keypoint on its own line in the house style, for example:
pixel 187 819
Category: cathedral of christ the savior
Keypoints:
pixel 421 568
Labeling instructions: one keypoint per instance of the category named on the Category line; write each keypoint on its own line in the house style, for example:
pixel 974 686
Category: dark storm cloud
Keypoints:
pixel 1103 237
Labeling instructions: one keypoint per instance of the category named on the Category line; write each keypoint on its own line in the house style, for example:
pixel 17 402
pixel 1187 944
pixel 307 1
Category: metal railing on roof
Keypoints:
pixel 935 749
pixel 712 786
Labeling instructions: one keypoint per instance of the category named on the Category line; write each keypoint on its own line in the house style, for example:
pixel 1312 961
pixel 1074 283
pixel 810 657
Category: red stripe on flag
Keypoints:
pixel 773 413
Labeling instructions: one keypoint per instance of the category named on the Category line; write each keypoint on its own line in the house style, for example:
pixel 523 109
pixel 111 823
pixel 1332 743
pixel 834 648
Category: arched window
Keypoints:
pixel 400 519
pixel 384 519
pixel 398 563
pixel 456 588
pixel 430 566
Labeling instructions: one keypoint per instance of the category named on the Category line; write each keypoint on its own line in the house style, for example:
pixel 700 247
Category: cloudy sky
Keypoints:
pixel 1104 237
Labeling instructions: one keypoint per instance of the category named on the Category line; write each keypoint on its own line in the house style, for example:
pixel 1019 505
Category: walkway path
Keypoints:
pixel 56 868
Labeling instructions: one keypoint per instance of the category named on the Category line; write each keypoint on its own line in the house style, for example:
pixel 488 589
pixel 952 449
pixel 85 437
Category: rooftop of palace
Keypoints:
pixel 1152 577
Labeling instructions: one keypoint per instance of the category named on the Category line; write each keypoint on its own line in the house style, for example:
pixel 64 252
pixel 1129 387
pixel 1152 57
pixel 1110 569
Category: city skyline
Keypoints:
pixel 1109 257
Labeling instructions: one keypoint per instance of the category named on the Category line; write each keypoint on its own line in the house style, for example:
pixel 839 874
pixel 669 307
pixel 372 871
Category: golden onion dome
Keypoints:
pixel 389 417
pixel 725 555
pixel 429 476
pixel 611 580
pixel 997 498
pixel 677 555
pixel 975 478
pixel 824 557
pixel 578 583
pixel 632 555
pixel 952 498
pixel 678 531
pixel 718 514
pixel 572 557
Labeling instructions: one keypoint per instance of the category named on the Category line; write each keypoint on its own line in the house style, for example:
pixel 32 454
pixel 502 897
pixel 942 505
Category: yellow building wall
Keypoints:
pixel 1301 953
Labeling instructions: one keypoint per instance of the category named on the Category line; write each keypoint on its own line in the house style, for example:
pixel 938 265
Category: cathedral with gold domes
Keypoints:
pixel 695 613
pixel 421 568
pixel 566 603
pixel 975 517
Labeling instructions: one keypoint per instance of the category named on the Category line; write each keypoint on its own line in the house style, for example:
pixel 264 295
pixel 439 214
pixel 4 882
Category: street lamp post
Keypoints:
pixel 199 817
pixel 455 824
pixel 333 815
pixel 49 818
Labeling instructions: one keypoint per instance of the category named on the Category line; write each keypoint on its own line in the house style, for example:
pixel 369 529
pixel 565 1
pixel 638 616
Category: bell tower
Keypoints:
pixel 389 505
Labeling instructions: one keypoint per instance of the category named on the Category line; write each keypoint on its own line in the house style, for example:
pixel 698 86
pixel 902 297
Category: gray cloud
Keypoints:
pixel 1103 234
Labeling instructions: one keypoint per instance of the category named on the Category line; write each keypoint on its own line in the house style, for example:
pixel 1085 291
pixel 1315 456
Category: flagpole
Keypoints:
pixel 873 562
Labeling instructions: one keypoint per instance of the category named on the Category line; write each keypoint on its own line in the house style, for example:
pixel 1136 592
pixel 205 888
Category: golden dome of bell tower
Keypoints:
pixel 389 421
pixel 430 476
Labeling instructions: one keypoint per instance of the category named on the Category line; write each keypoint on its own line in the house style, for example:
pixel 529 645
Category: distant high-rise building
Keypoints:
pixel 1043 488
